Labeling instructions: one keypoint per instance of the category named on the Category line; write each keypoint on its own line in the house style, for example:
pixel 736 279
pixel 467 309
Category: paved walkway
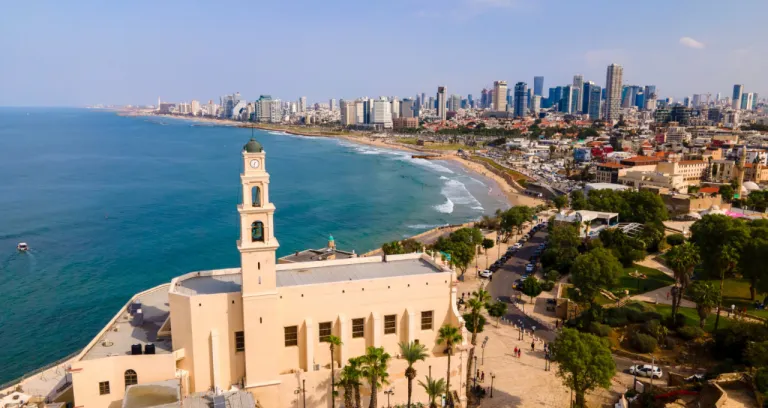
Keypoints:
pixel 660 296
pixel 651 262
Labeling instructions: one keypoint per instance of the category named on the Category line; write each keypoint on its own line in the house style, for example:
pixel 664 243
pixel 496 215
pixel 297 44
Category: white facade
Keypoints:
pixel 613 82
pixel 381 113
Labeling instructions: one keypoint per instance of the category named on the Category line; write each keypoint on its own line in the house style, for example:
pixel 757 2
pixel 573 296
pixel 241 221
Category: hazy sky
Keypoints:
pixel 87 52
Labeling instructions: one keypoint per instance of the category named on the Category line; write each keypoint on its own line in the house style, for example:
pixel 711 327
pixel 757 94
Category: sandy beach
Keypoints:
pixel 511 192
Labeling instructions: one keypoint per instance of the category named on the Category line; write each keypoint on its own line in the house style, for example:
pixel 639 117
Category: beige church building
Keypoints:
pixel 260 329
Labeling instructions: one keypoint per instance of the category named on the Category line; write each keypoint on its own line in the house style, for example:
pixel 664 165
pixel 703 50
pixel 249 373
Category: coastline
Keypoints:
pixel 514 197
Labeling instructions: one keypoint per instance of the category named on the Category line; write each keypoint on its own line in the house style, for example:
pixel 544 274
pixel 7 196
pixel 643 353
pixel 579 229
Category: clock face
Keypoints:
pixel 255 164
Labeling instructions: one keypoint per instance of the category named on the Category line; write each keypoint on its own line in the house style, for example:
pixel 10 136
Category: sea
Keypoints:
pixel 111 205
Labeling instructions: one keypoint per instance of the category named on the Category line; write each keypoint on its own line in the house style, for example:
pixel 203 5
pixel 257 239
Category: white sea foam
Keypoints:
pixel 430 164
pixel 425 226
pixel 446 207
pixel 443 178
pixel 456 193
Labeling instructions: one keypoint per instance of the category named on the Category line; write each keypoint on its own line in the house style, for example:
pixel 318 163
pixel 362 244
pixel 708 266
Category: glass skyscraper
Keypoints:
pixel 593 105
pixel 538 85
pixel 521 99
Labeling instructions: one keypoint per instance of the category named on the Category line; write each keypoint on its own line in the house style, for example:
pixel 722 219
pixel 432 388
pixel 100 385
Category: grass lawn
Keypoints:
pixel 692 317
pixel 655 279
pixel 497 166
pixel 736 292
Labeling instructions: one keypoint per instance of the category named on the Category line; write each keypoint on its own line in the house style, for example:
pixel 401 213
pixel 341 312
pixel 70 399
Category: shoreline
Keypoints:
pixel 514 197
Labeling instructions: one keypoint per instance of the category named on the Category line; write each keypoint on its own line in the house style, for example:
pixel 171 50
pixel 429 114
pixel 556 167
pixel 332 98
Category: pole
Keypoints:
pixel 492 377
pixel 475 371
pixel 483 360
pixel 304 391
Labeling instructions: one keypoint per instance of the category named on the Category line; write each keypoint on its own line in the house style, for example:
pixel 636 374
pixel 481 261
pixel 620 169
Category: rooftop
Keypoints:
pixel 309 273
pixel 691 162
pixel 122 333
pixel 311 255
pixel 611 165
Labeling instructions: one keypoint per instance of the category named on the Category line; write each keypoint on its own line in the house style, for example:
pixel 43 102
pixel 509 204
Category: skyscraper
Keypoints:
pixel 585 98
pixel 347 113
pixel 746 101
pixel 500 96
pixel 395 107
pixel 593 104
pixel 566 101
pixel 423 100
pixel 538 85
pixel 484 101
pixel 455 104
pixel 578 83
pixel 381 113
pixel 650 97
pixel 332 105
pixel 441 102
pixel 406 108
pixel 535 104
pixel 613 94
pixel 521 99
pixel 738 89
pixel 302 104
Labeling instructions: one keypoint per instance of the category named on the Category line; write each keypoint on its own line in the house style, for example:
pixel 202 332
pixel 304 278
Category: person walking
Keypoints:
pixel 533 345
pixel 482 376
pixel 518 352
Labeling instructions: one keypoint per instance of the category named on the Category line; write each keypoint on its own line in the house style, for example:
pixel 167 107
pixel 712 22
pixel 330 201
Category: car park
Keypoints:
pixel 646 370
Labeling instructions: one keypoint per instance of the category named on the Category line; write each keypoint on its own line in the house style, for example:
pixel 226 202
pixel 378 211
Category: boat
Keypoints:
pixel 22 246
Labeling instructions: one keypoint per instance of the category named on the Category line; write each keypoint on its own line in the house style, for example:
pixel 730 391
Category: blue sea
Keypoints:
pixel 112 205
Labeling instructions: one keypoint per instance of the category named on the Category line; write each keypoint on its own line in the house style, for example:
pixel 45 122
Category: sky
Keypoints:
pixel 76 53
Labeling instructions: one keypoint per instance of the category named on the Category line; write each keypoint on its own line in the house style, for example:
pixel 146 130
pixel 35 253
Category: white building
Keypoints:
pixel 381 113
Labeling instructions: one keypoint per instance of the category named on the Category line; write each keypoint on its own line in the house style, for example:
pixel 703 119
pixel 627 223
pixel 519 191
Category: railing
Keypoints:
pixel 18 380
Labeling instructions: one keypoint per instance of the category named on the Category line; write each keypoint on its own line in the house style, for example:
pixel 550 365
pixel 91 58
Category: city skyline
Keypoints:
pixel 80 54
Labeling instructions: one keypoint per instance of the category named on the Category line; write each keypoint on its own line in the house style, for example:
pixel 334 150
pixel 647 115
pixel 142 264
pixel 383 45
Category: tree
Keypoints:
pixel 531 287
pixel 584 362
pixel 461 245
pixel 333 342
pixel 682 259
pixel 349 378
pixel 412 352
pixel 488 244
pixel 433 388
pixel 392 248
pixel 476 304
pixel 594 270
pixel 497 309
pixel 726 191
pixel 374 369
pixel 451 336
pixel 560 202
pixel 721 240
pixel 625 248
pixel 754 258
pixel 578 201
pixel 706 296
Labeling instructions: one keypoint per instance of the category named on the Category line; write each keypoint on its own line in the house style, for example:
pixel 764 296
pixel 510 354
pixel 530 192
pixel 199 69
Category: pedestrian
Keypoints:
pixel 482 376
pixel 518 352
pixel 533 345
pixel 514 353
pixel 477 374
pixel 490 278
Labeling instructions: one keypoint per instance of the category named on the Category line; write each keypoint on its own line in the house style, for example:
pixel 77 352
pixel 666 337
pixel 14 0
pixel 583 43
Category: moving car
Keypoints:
pixel 486 273
pixel 646 370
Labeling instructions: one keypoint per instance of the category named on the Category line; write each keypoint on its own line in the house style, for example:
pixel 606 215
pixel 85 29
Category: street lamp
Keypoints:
pixel 476 370
pixel 389 392
pixel 483 347
pixel 492 377
pixel 301 390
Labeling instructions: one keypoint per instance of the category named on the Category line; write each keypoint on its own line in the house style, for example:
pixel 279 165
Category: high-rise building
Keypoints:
pixel 738 90
pixel 696 101
pixel 347 113
pixel 302 104
pixel 566 101
pixel 470 101
pixel 593 101
pixel 521 99
pixel 381 113
pixel 423 100
pixel 406 108
pixel 746 101
pixel 585 98
pixel 484 101
pixel 613 79
pixel 499 96
pixel 650 97
pixel 332 105
pixel 455 103
pixel 195 107
pixel 538 85
pixel 441 112
pixel 578 83
pixel 510 97
pixel 267 109
pixel 395 109
pixel 535 104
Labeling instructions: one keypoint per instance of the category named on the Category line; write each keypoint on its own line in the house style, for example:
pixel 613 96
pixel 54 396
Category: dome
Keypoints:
pixel 751 186
pixel 252 146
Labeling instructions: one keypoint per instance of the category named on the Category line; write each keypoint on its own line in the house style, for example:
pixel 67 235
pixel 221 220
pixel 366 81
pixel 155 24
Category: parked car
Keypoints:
pixel 486 273
pixel 529 268
pixel 516 246
pixel 517 284
pixel 646 370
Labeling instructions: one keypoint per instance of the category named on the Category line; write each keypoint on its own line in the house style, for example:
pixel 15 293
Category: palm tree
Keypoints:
pixel 433 389
pixel 412 352
pixel 476 305
pixel 354 370
pixel 333 342
pixel 349 378
pixel 706 296
pixel 682 259
pixel 374 369
pixel 451 336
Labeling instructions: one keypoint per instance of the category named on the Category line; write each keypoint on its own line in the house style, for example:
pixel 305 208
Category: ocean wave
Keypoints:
pixel 443 178
pixel 456 193
pixel 278 133
pixel 430 164
pixel 446 207
pixel 425 226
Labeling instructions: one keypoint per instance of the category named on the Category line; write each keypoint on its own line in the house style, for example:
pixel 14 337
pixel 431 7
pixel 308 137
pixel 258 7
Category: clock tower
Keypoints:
pixel 257 246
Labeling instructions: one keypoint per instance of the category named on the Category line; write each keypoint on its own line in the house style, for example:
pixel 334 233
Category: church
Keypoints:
pixel 261 329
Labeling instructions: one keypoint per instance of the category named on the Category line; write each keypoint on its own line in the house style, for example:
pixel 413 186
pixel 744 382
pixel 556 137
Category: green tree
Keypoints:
pixel 726 191
pixel 756 353
pixel 333 342
pixel 595 270
pixel 476 304
pixel 721 240
pixel 392 248
pixel 584 363
pixel 531 287
pixel 451 337
pixel 562 247
pixel 706 296
pixel 488 244
pixel 625 248
pixel 412 352
pixel 410 246
pixel 682 259
pixel 374 369
pixel 434 388
pixel 497 309
pixel 471 322
pixel 578 201
pixel 560 202
pixel 754 258
pixel 349 379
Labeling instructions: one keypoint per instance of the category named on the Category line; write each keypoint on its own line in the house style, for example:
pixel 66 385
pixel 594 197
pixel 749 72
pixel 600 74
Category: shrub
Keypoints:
pixel 598 329
pixel 674 325
pixel 652 327
pixel 675 239
pixel 616 321
pixel 690 332
pixel 552 275
pixel 761 379
pixel 670 342
pixel 648 316
pixel 642 343
pixel 634 315
pixel 547 286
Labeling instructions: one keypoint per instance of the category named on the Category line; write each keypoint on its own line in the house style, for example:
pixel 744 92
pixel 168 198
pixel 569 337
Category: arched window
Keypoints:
pixel 256 197
pixel 257 231
pixel 131 378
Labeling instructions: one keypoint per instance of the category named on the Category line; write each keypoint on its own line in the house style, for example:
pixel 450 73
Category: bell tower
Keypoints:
pixel 257 246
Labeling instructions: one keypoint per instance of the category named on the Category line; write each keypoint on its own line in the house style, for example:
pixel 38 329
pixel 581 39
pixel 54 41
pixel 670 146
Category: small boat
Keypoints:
pixel 22 246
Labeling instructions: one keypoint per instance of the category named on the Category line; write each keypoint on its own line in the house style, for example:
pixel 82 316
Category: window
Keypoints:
pixel 104 388
pixel 358 328
pixel 426 320
pixel 390 324
pixel 239 341
pixel 325 331
pixel 131 378
pixel 256 197
pixel 257 231
pixel 291 336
